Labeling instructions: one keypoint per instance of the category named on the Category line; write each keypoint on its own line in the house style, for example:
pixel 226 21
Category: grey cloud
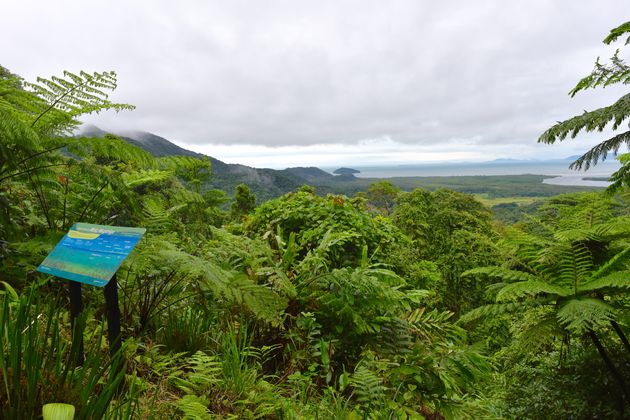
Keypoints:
pixel 299 73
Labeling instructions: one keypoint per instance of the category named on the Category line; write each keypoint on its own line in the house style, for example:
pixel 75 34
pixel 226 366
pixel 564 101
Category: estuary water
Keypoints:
pixel 557 170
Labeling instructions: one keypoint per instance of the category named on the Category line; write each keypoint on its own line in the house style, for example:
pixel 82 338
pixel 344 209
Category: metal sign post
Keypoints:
pixel 113 315
pixel 76 307
pixel 92 254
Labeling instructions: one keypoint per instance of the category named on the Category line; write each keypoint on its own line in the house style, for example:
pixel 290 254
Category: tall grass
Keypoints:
pixel 186 330
pixel 37 364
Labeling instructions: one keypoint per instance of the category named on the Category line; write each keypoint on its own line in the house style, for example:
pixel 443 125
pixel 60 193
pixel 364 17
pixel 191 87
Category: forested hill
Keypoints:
pixel 156 145
pixel 265 183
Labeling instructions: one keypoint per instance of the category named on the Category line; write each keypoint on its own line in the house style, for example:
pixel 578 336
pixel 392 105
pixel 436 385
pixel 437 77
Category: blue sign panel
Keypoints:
pixel 91 254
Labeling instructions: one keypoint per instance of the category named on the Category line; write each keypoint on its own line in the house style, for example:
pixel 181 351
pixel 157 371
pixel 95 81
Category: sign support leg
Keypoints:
pixel 113 315
pixel 76 307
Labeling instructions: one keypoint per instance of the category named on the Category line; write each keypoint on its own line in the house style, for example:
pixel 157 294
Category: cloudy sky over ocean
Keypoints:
pixel 296 83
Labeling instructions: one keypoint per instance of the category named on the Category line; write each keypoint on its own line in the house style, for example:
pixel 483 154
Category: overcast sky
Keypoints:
pixel 288 83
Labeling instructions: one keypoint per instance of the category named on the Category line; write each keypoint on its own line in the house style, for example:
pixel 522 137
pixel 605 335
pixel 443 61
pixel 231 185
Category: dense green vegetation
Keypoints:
pixel 387 304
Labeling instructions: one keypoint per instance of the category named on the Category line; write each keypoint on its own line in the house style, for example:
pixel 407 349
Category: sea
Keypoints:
pixel 557 170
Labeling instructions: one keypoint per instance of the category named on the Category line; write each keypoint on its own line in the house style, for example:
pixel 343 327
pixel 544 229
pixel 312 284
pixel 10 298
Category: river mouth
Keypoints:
pixel 575 180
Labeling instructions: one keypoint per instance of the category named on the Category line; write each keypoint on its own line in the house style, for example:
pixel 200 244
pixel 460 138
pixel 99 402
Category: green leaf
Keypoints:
pixel 58 411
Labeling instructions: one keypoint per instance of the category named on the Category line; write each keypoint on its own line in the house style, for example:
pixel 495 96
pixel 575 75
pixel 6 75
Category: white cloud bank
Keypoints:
pixel 277 79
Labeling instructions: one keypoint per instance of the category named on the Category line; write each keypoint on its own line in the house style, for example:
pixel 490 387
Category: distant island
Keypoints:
pixel 346 171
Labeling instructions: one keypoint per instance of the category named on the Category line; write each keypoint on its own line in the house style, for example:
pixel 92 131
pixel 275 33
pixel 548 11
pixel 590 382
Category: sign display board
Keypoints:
pixel 91 254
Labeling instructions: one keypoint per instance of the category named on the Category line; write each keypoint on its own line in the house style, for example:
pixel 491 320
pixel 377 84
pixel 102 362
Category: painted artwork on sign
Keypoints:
pixel 91 254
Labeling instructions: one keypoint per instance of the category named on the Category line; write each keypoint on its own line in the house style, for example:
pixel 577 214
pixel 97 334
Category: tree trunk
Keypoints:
pixel 621 335
pixel 611 367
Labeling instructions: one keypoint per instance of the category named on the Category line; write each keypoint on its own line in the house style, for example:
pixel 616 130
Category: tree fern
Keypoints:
pixel 233 288
pixel 70 96
pixel 109 150
pixel 582 294
pixel 359 298
pixel 18 143
pixel 583 314
pixel 616 71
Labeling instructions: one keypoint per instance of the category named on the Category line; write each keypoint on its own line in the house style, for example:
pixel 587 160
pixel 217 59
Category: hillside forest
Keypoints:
pixel 386 303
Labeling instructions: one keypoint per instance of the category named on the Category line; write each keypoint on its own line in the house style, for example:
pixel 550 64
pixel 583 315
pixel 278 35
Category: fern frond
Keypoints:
pixel 582 314
pixel 260 300
pixel 73 95
pixel 194 407
pixel 600 152
pixel 503 273
pixel 615 33
pixel 617 280
pixel 539 334
pixel 616 71
pixel 515 291
pixel 619 261
pixel 234 288
pixel 368 387
pixel 17 142
pixel 500 309
pixel 109 149
pixel 155 217
pixel 590 121
pixel 581 234
pixel 433 324
pixel 143 177
pixel 206 369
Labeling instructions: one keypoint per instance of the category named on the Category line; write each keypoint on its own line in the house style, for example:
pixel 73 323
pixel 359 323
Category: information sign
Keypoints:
pixel 91 254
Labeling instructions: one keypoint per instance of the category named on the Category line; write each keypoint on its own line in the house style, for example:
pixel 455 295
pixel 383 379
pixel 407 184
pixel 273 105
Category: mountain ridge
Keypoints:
pixel 266 183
